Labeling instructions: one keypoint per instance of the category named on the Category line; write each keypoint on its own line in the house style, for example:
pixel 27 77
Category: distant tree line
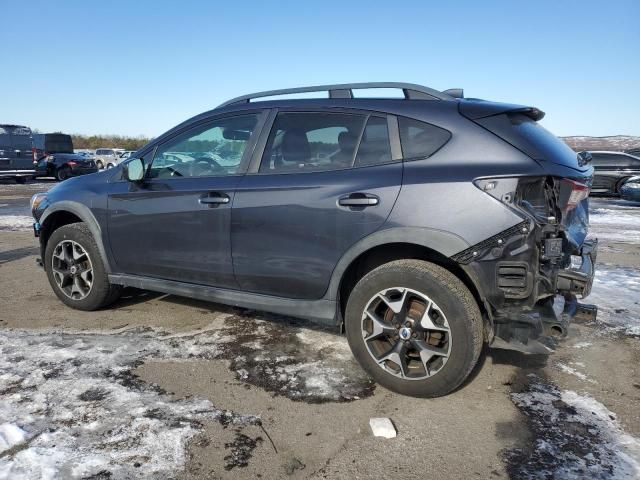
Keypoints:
pixel 91 142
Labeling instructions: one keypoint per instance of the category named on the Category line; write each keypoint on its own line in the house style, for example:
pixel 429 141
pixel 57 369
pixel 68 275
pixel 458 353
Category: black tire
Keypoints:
pixel 452 297
pixel 619 185
pixel 102 293
pixel 99 164
pixel 62 173
pixel 21 180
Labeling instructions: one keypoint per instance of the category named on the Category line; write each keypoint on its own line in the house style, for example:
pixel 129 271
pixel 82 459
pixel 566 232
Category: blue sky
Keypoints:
pixel 140 67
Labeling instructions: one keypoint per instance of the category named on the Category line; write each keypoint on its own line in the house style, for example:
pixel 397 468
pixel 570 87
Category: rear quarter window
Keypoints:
pixel 420 139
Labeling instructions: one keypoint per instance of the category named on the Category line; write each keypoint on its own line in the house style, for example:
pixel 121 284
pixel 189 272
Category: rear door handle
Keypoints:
pixel 358 200
pixel 214 199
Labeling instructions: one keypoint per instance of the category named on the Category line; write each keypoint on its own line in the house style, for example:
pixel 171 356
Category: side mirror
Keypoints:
pixel 135 170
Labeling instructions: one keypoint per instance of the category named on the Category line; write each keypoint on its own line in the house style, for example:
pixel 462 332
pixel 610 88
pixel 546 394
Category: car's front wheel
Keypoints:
pixel 99 164
pixel 414 327
pixel 75 269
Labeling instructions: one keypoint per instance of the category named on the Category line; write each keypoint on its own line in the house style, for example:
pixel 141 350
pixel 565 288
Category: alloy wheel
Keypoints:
pixel 406 333
pixel 72 269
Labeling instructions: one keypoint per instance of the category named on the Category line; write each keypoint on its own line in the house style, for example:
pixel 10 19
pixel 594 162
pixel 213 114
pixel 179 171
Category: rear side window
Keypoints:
pixel 374 147
pixel 314 141
pixel 420 139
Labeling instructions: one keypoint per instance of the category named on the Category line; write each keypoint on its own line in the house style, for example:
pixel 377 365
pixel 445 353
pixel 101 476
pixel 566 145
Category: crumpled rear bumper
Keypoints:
pixel 537 331
pixel 579 279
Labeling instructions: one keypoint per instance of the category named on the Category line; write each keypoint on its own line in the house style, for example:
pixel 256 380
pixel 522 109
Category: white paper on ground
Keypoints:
pixel 382 427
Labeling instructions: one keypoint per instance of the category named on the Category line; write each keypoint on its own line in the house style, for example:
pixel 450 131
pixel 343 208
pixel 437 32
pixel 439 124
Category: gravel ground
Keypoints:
pixel 165 387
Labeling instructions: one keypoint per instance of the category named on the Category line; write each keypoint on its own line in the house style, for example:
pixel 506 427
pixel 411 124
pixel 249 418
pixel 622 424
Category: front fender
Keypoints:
pixel 443 242
pixel 86 215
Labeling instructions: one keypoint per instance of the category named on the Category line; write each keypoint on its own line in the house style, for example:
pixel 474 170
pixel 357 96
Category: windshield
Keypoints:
pixel 20 137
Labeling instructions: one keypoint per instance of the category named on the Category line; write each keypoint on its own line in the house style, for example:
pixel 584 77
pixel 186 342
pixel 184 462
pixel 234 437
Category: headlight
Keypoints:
pixel 37 199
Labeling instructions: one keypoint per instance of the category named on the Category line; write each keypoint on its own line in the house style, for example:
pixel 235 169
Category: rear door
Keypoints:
pixel 323 182
pixel 176 225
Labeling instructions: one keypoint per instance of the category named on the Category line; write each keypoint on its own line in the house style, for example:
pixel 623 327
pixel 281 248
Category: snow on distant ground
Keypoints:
pixel 15 222
pixel 616 292
pixel 614 221
pixel 575 437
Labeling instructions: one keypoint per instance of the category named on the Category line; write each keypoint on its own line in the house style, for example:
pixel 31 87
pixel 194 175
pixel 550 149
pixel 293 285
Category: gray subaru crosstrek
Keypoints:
pixel 425 226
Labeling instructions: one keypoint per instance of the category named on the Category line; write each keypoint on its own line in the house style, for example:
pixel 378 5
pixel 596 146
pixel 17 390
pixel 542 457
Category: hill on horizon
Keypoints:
pixel 614 143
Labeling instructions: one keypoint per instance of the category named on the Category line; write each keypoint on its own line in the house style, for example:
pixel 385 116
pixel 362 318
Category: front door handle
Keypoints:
pixel 214 199
pixel 359 200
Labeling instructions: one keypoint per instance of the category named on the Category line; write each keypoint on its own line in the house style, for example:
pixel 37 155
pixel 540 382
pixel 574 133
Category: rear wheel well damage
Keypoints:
pixel 381 254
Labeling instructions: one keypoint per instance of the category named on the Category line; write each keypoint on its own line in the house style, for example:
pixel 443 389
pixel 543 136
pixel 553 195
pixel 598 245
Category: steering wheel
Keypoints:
pixel 206 165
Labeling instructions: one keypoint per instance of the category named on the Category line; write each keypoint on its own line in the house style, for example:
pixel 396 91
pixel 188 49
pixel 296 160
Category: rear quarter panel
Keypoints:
pixel 438 192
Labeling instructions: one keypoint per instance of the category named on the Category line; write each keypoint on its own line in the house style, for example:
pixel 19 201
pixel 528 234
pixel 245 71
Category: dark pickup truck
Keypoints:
pixel 53 157
pixel 15 152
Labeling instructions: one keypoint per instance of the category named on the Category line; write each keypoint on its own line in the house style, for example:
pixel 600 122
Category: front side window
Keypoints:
pixel 212 149
pixel 314 141
pixel 420 139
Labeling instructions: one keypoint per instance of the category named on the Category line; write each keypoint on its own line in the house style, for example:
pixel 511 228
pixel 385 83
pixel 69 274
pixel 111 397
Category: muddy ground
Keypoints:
pixel 165 387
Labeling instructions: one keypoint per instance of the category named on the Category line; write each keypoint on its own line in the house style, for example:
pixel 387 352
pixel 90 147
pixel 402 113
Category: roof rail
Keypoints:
pixel 345 90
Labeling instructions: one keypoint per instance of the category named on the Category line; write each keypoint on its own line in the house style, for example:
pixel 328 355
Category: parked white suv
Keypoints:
pixel 107 157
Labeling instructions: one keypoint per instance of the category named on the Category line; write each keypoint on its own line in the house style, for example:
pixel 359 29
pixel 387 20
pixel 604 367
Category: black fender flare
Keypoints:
pixel 83 213
pixel 441 241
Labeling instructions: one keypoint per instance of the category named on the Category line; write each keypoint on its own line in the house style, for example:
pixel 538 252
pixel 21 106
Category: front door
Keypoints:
pixel 176 224
pixel 325 181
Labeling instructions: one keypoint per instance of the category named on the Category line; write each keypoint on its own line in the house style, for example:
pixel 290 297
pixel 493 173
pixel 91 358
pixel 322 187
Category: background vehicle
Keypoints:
pixel 15 152
pixel 86 153
pixel 630 189
pixel 53 156
pixel 378 215
pixel 612 169
pixel 634 151
pixel 107 156
pixel 121 158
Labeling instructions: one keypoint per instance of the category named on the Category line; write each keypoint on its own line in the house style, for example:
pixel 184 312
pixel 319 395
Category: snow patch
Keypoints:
pixel 616 292
pixel 10 436
pixel 16 222
pixel 575 437
pixel 572 371
pixel 74 408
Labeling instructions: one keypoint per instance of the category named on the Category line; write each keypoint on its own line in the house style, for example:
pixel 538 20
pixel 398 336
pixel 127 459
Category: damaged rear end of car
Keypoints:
pixel 533 274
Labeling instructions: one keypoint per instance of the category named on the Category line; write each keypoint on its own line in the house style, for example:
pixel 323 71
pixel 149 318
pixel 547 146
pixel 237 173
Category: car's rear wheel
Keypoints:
pixel 414 327
pixel 63 173
pixel 21 180
pixel 76 271
pixel 109 165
